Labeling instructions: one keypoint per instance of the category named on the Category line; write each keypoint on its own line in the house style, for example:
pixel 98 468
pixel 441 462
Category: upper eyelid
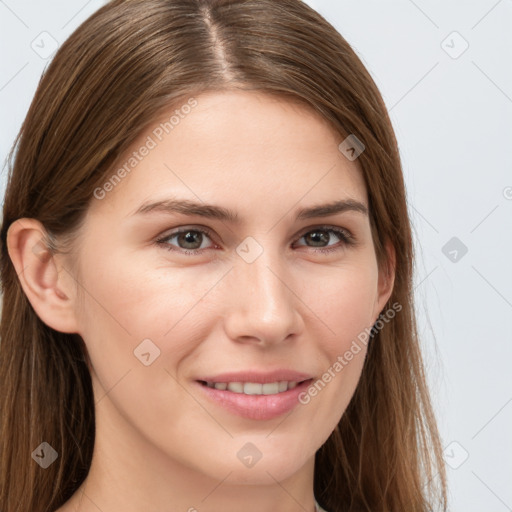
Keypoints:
pixel 326 227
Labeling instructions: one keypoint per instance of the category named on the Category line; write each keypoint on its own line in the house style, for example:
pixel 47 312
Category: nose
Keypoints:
pixel 263 307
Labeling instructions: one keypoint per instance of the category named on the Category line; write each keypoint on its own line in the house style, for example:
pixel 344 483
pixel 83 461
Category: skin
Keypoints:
pixel 161 445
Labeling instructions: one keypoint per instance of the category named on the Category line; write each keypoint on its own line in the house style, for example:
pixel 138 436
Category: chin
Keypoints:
pixel 260 474
pixel 249 466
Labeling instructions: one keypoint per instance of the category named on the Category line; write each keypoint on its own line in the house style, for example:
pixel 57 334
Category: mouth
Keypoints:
pixel 254 400
pixel 253 388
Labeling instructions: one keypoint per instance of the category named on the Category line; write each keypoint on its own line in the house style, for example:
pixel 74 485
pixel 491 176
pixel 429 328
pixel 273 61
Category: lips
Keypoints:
pixel 258 377
pixel 255 395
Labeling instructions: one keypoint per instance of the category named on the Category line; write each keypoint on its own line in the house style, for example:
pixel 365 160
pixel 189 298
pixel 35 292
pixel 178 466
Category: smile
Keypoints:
pixel 254 400
pixel 253 388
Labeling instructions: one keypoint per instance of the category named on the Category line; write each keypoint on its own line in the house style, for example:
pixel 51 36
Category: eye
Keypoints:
pixel 322 236
pixel 188 241
pixel 192 241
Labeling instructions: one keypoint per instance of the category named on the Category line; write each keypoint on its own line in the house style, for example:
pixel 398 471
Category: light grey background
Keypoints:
pixel 451 108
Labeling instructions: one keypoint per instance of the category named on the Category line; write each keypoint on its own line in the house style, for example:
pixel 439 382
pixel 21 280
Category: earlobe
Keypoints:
pixel 47 287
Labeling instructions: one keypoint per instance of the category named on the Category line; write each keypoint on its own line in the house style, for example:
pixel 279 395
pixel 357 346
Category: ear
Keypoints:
pixel 386 280
pixel 48 286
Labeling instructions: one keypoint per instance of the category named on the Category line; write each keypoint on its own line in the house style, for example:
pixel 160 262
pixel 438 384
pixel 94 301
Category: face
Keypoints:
pixel 249 288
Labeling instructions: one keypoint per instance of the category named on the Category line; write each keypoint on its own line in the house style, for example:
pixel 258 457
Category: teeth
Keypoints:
pixel 283 386
pixel 236 387
pixel 254 388
pixel 251 388
pixel 270 388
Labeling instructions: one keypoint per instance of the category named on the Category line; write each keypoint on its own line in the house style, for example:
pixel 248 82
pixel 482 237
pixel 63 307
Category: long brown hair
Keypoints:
pixel 106 83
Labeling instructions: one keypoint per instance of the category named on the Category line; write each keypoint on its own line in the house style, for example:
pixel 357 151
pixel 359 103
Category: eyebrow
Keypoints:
pixel 187 207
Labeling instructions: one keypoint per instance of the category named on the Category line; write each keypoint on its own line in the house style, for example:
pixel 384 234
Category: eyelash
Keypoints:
pixel 345 236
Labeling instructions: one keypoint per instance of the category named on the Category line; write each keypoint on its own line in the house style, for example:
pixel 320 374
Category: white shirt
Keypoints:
pixel 319 508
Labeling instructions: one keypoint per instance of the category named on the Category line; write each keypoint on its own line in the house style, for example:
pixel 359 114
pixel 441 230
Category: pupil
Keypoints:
pixel 190 237
pixel 318 237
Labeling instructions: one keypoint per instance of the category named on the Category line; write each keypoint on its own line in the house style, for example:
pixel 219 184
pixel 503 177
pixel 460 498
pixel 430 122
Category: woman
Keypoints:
pixel 206 270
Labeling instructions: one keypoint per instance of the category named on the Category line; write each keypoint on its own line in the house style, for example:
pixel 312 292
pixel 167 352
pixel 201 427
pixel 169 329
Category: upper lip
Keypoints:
pixel 258 377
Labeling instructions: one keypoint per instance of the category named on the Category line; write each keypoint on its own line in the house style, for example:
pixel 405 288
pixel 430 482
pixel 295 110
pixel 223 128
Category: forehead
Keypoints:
pixel 241 149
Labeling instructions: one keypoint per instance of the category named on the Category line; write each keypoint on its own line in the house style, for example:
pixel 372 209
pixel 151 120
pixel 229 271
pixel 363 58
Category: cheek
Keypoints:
pixel 126 308
pixel 344 303
pixel 129 311
pixel 141 300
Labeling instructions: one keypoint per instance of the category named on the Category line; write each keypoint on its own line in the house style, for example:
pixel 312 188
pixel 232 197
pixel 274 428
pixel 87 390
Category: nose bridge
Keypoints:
pixel 263 305
pixel 266 289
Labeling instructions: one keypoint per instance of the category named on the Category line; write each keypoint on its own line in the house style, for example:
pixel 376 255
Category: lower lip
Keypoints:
pixel 256 407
